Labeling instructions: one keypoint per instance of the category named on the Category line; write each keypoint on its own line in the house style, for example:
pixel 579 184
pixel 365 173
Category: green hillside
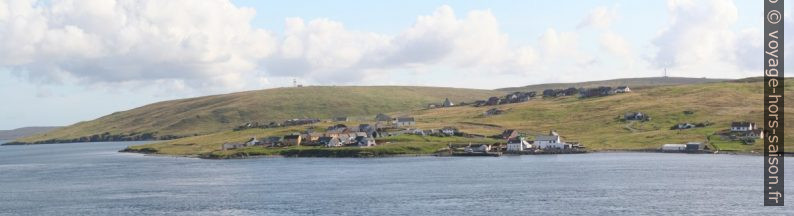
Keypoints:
pixel 23 132
pixel 209 114
pixel 634 83
pixel 593 122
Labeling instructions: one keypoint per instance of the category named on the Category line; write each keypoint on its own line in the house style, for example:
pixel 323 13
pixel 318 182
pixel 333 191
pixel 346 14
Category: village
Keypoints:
pixel 510 141
pixel 365 135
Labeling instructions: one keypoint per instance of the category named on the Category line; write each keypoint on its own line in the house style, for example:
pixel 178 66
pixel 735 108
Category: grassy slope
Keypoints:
pixel 209 114
pixel 593 122
pixel 211 144
pixel 634 83
pixel 23 132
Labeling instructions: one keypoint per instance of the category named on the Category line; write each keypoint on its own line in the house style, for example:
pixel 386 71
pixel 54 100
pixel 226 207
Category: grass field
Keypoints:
pixel 635 83
pixel 209 147
pixel 217 113
pixel 593 122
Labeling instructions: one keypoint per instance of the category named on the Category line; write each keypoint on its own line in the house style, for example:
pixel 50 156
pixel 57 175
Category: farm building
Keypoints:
pixel 517 144
pixel 363 141
pixel 292 140
pixel 477 148
pixel 673 147
pixel 636 116
pixel 742 126
pixel 622 89
pixel 230 146
pixel 694 146
pixel 382 117
pixel 404 122
pixel 447 103
pixel 450 131
pixel 509 134
pixel 550 141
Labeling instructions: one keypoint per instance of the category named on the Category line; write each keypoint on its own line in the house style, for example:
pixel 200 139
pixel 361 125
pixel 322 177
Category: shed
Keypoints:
pixel 694 146
pixel 673 147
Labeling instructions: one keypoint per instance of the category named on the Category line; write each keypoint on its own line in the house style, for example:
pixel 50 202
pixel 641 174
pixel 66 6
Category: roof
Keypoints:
pixel 291 136
pixel 622 87
pixel 405 119
pixel 447 102
pixel 516 140
pixel 741 124
pixel 382 117
pixel 546 138
pixel 674 145
pixel 478 145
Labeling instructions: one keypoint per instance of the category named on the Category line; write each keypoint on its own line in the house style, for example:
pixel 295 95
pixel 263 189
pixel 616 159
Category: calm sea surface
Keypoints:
pixel 93 179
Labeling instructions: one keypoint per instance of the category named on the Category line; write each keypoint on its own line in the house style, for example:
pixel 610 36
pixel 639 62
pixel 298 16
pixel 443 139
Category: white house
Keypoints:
pixel 622 89
pixel 481 148
pixel 518 145
pixel 251 142
pixel 551 141
pixel 449 131
pixel 404 121
pixel 742 126
pixel 363 141
pixel 334 142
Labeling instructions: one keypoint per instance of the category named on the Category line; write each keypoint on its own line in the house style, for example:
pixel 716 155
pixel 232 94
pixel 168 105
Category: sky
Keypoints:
pixel 65 61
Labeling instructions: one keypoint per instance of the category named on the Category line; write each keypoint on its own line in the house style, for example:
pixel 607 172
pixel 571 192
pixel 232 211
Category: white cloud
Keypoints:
pixel 326 51
pixel 206 43
pixel 617 45
pixel 700 39
pixel 600 17
pixel 323 49
pixel 211 45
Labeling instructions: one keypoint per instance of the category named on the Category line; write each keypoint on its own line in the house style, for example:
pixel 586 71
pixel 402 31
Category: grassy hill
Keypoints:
pixel 594 122
pixel 634 83
pixel 209 114
pixel 23 132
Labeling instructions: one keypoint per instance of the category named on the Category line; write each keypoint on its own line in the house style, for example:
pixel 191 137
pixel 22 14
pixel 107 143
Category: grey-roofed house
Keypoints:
pixel 370 130
pixel 447 103
pixel 292 140
pixel 742 126
pixel 382 117
pixel 363 141
pixel 404 121
pixel 450 131
pixel 549 141
pixel 272 141
pixel 230 146
pixel 509 134
pixel 635 116
pixel 622 89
